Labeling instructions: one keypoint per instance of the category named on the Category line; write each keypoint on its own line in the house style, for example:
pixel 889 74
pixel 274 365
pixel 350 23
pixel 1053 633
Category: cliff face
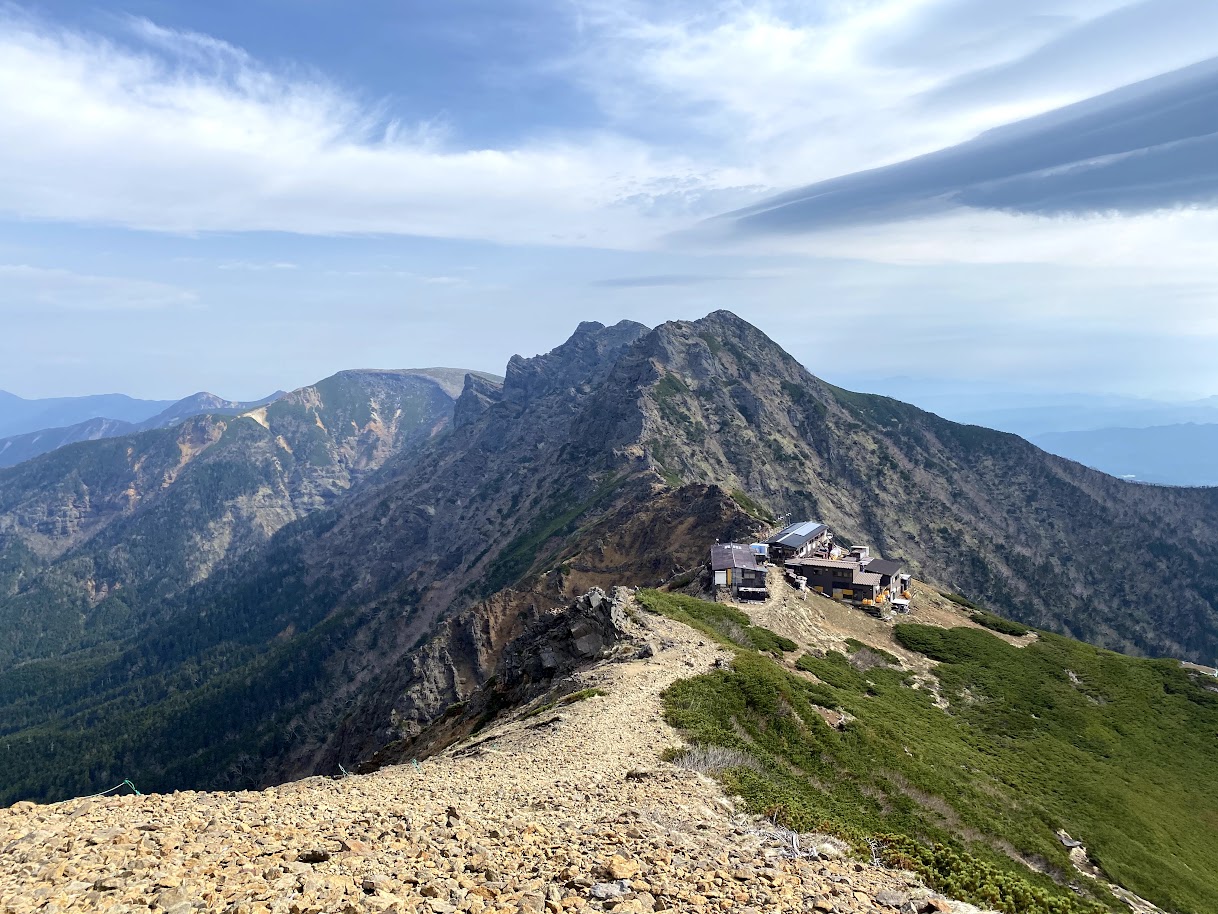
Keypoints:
pixel 371 570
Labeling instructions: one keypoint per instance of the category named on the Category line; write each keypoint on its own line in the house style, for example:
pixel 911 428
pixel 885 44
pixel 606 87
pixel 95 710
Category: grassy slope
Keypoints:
pixel 1122 759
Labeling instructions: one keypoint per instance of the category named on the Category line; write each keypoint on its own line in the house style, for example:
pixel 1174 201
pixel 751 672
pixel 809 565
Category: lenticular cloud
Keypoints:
pixel 1149 146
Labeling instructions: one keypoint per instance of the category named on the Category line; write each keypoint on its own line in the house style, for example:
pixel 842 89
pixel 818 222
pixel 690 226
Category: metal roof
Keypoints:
pixel 866 578
pixel 823 563
pixel 883 566
pixel 797 534
pixel 732 555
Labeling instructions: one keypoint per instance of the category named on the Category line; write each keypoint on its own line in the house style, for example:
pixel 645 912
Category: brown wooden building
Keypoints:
pixel 735 566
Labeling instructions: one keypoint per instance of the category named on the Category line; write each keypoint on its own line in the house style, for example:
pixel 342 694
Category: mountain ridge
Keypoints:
pixel 32 442
pixel 19 448
pixel 236 479
pixel 19 415
pixel 616 458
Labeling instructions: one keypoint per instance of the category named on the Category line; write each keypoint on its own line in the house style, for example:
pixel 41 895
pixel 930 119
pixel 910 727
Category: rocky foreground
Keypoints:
pixel 567 810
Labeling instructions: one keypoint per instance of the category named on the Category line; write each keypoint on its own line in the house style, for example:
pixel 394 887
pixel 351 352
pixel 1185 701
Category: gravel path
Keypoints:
pixel 569 810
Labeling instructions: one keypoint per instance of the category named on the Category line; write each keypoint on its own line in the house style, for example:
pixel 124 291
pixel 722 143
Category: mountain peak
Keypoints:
pixel 586 357
pixel 724 318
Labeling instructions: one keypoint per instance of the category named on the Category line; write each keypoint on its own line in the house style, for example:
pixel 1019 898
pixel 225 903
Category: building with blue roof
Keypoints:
pixel 799 540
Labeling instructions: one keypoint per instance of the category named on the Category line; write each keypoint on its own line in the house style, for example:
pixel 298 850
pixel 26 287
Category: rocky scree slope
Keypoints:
pixel 563 811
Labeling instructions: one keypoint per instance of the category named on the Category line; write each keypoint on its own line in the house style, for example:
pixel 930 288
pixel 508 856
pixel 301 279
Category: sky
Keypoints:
pixel 247 196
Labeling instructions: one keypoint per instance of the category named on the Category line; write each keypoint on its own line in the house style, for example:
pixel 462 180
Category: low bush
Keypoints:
pixel 1057 734
pixel 999 624
pixel 960 600
pixel 854 646
pixel 725 624
pixel 712 760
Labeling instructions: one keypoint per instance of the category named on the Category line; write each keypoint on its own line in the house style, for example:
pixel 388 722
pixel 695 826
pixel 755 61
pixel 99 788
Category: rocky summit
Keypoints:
pixel 562 808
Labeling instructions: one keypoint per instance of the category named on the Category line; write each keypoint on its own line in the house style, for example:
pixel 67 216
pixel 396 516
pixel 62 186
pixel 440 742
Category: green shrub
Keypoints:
pixel 750 506
pixel 999 624
pixel 983 616
pixel 960 600
pixel 853 645
pixel 726 624
pixel 1117 751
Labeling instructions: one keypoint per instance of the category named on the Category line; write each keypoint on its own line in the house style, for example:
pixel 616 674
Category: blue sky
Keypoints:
pixel 247 196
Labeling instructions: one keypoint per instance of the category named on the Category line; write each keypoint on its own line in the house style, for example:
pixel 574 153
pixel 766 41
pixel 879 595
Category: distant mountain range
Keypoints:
pixel 18 448
pixel 1182 455
pixel 42 425
pixel 1031 414
pixel 19 416
pixel 1165 442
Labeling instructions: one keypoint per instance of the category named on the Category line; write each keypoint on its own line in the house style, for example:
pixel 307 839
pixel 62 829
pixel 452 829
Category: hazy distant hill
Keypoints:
pixel 1032 421
pixel 1180 455
pixel 18 448
pixel 1031 414
pixel 18 415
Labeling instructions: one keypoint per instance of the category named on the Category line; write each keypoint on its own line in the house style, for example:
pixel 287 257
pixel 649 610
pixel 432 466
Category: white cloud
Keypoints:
pixel 707 108
pixel 25 288
pixel 257 266
pixel 806 91
pixel 187 134
pixel 1180 241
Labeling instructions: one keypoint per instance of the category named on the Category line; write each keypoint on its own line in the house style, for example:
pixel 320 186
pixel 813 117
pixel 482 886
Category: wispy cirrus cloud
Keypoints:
pixel 177 132
pixel 705 108
pixel 659 280
pixel 816 90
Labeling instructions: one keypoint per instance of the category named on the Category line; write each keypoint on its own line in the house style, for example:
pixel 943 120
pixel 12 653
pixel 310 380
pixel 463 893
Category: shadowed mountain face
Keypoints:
pixel 615 459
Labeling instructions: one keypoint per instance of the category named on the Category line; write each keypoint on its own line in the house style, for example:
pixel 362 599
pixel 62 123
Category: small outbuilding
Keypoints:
pixel 735 566
pixel 891 575
pixel 873 582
